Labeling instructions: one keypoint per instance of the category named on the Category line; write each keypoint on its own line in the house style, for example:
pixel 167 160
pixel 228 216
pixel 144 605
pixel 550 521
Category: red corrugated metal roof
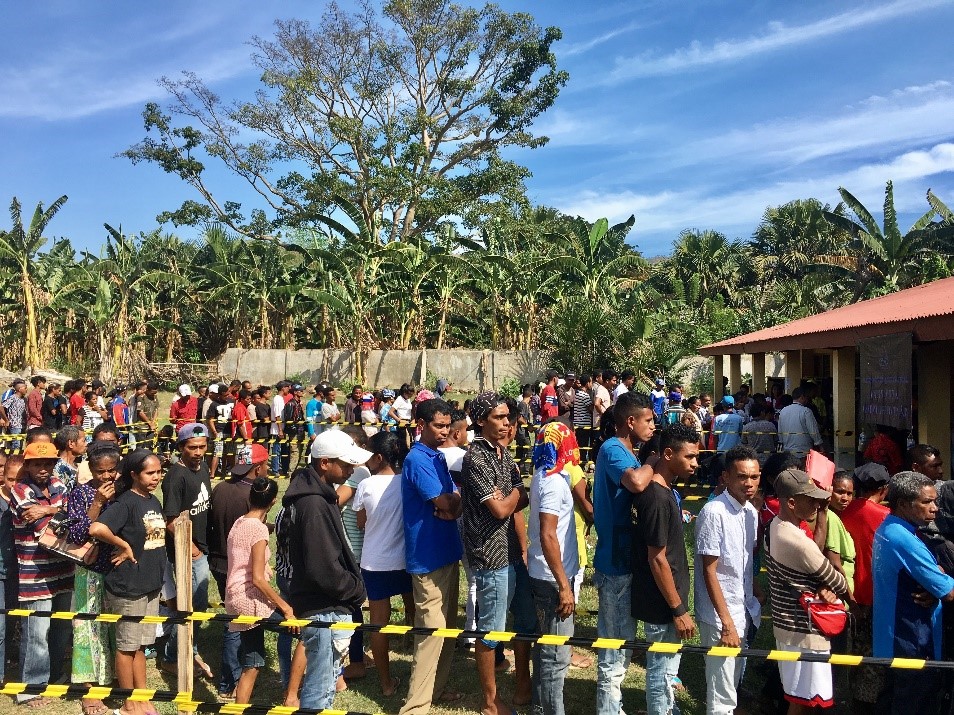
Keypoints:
pixel 926 310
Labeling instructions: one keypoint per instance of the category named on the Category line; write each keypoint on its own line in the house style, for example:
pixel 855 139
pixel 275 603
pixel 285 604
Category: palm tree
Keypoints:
pixel 20 245
pixel 885 260
pixel 721 264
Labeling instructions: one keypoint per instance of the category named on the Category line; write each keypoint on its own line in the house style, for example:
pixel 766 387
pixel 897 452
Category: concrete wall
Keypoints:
pixel 467 370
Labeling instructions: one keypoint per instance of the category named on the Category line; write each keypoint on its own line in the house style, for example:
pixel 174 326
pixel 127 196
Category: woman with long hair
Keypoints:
pixel 92 640
pixel 136 530
pixel 248 589
pixel 378 506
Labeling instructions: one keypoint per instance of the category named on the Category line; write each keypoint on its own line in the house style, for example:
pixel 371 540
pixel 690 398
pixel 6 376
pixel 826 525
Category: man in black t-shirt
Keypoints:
pixel 263 415
pixel 54 405
pixel 660 565
pixel 186 487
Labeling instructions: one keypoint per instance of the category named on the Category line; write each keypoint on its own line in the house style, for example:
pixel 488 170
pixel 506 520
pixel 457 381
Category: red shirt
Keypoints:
pixel 549 404
pixel 184 410
pixel 884 450
pixel 34 406
pixel 862 518
pixel 77 403
pixel 241 424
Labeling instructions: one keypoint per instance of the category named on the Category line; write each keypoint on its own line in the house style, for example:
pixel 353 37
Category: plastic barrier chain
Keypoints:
pixel 505 636
pixel 184 701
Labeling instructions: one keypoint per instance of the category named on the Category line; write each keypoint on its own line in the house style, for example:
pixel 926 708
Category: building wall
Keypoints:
pixel 467 370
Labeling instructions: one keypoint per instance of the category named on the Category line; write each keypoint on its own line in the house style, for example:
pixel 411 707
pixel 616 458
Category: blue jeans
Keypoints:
pixel 200 602
pixel 521 604
pixel 550 663
pixel 614 620
pixel 231 643
pixel 39 640
pixel 494 593
pixel 285 640
pixel 324 649
pixel 661 668
pixel 276 456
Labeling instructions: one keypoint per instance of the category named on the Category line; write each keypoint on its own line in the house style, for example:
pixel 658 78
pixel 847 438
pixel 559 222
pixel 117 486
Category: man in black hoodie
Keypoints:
pixel 326 582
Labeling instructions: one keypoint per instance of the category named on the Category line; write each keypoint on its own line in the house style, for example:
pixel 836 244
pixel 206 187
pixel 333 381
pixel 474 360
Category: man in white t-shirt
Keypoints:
pixel 329 412
pixel 601 401
pixel 276 430
pixel 626 381
pixel 552 561
pixel 455 447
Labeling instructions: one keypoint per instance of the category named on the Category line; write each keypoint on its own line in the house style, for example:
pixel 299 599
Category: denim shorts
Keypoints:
pixel 384 584
pixel 252 648
pixel 494 592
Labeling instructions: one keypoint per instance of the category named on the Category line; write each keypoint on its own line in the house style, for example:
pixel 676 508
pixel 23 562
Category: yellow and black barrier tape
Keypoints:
pixel 272 623
pixel 183 701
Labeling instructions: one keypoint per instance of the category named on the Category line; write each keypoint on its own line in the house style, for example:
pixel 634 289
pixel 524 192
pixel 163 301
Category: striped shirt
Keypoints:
pixel 795 564
pixel 582 409
pixel 43 574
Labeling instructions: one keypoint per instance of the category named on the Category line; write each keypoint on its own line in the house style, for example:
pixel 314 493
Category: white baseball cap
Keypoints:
pixel 184 390
pixel 214 388
pixel 335 444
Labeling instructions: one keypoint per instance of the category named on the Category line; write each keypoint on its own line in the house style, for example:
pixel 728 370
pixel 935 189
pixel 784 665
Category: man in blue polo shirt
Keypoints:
pixel 613 487
pixel 907 585
pixel 433 549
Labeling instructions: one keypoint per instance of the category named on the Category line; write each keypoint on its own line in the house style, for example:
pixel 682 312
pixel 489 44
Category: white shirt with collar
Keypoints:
pixel 727 529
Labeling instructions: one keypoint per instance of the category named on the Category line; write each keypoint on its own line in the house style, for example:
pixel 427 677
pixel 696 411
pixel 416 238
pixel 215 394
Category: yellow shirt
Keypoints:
pixel 576 474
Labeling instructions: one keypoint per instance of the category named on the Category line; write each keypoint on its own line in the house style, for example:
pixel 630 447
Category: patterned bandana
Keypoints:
pixel 556 447
pixel 482 405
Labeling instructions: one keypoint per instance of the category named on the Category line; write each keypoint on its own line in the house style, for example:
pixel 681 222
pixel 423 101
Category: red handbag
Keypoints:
pixel 829 618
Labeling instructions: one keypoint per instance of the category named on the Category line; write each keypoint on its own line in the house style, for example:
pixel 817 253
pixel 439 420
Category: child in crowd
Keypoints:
pixel 248 589
pixel 369 415
pixel 388 421
pixel 136 530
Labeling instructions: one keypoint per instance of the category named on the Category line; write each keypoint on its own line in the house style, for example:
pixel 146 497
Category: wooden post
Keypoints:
pixel 758 373
pixel 718 371
pixel 843 406
pixel 183 546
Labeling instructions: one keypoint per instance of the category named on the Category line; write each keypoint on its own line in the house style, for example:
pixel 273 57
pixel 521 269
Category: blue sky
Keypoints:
pixel 688 114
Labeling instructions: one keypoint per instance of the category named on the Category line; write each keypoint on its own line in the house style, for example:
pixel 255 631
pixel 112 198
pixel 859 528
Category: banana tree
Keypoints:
pixel 20 245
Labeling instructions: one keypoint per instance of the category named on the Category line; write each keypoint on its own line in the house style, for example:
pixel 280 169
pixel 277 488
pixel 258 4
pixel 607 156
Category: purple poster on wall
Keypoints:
pixel 886 380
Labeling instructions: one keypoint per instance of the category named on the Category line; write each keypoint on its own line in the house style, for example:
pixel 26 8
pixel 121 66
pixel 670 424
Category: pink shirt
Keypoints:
pixel 241 596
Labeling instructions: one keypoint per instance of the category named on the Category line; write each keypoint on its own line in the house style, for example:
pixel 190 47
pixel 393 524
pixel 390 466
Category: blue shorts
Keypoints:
pixel 252 645
pixel 384 584
pixel 495 589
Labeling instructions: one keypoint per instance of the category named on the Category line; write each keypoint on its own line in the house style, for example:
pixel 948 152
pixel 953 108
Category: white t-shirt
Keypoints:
pixel 603 395
pixel 278 407
pixel 552 495
pixel 380 497
pixel 403 408
pixel 328 411
pixel 454 457
pixel 620 389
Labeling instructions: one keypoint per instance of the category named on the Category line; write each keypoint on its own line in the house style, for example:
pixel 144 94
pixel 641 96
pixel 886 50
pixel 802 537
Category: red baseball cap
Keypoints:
pixel 249 456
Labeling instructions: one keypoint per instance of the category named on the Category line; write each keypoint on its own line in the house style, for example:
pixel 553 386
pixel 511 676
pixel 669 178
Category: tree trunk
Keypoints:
pixel 31 349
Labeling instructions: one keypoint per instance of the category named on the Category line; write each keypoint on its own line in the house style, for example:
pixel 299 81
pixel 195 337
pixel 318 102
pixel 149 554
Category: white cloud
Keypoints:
pixel 75 85
pixel 738 211
pixel 908 117
pixel 777 36
pixel 579 48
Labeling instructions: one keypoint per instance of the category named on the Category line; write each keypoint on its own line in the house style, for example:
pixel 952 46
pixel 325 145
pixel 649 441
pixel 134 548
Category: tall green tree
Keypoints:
pixel 402 112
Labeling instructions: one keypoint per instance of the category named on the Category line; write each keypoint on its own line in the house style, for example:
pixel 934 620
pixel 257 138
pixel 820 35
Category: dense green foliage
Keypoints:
pixel 530 278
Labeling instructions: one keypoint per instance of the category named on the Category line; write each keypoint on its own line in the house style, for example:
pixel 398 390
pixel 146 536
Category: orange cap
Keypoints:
pixel 40 450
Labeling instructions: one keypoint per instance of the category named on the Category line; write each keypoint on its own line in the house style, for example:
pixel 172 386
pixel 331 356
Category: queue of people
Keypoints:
pixel 398 513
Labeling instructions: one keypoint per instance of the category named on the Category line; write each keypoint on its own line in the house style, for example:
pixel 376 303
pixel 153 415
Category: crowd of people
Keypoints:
pixel 397 491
